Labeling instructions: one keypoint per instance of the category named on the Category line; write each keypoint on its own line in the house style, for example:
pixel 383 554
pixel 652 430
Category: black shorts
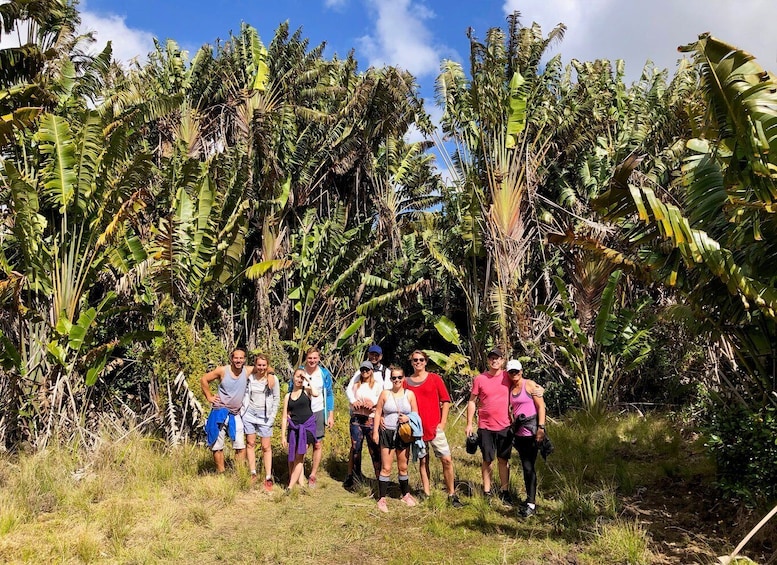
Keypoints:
pixel 495 443
pixel 391 440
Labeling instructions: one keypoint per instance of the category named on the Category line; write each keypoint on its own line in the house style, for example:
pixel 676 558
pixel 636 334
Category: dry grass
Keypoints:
pixel 135 501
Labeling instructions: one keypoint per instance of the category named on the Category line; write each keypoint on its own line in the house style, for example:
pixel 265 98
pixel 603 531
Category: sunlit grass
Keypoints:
pixel 136 501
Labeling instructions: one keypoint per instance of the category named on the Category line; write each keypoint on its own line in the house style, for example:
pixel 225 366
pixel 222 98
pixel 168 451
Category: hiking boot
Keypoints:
pixel 454 501
pixel 348 482
pixel 526 511
pixel 409 500
pixel 382 504
pixel 268 484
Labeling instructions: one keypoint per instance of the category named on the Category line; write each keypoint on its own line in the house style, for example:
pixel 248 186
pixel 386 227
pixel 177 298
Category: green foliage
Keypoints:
pixel 744 444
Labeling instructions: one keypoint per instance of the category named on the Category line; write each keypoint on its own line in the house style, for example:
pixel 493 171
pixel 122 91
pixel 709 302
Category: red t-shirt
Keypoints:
pixel 493 393
pixel 429 394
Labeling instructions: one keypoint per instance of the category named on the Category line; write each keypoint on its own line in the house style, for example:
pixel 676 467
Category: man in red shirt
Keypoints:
pixel 433 405
pixel 490 396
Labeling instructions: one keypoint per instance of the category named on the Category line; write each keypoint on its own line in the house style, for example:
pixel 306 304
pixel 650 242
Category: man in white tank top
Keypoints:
pixel 233 381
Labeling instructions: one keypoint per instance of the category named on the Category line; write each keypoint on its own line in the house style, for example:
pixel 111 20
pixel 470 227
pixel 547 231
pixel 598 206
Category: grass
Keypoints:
pixel 136 501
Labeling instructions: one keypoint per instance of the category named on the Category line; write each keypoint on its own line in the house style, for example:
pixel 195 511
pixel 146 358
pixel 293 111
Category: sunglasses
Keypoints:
pixel 418 360
pixel 396 378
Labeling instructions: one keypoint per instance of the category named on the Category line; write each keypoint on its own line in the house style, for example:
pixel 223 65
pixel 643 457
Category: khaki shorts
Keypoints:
pixel 439 445
pixel 240 438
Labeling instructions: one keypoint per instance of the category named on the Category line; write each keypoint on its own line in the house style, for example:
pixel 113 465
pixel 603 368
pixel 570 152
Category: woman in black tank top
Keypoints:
pixel 298 426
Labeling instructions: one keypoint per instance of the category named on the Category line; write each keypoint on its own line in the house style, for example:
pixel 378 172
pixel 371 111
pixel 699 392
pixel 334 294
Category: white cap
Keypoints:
pixel 514 365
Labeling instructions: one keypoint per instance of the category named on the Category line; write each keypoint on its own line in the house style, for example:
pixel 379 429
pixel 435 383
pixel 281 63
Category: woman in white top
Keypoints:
pixel 363 396
pixel 261 406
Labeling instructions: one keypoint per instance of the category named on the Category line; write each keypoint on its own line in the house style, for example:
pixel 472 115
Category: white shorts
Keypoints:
pixel 240 438
pixel 439 445
pixel 258 426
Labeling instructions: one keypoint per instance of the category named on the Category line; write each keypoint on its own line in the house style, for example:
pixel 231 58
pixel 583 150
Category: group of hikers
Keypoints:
pixel 399 417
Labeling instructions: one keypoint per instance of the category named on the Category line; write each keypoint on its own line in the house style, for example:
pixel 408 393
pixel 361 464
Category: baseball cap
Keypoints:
pixel 375 349
pixel 495 352
pixel 514 365
pixel 366 365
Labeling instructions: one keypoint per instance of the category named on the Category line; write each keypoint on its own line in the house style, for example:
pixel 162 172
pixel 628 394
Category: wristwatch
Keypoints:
pixel 541 426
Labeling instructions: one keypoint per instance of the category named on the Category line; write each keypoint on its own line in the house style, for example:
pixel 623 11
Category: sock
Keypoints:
pixel 531 505
pixel 383 486
pixel 404 484
pixel 268 478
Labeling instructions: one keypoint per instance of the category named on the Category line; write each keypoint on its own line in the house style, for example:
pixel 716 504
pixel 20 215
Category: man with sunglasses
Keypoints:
pixel 490 397
pixel 433 405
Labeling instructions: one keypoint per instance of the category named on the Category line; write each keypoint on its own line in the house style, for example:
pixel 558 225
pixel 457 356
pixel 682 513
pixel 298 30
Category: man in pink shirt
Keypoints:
pixel 490 397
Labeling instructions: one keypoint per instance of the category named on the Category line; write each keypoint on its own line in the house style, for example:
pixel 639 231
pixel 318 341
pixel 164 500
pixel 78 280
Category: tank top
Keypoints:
pixel 232 389
pixel 393 407
pixel 299 410
pixel 522 403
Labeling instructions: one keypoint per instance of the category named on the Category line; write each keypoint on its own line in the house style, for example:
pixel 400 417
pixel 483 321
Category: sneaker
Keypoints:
pixel 268 484
pixel 507 497
pixel 454 501
pixel 312 481
pixel 409 500
pixel 382 505
pixel 526 511
pixel 348 482
pixel 253 478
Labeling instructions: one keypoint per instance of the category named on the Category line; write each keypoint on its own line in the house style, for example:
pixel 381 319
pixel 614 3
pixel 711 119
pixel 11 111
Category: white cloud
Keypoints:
pixel 335 4
pixel 638 31
pixel 401 37
pixel 128 43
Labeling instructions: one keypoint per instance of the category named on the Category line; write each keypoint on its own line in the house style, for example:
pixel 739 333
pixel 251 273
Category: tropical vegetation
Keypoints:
pixel 617 238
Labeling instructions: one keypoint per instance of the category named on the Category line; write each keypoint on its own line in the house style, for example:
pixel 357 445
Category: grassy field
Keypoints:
pixel 621 489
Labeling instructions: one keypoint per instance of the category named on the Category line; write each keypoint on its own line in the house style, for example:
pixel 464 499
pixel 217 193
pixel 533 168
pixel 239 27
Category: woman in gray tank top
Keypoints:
pixel 393 406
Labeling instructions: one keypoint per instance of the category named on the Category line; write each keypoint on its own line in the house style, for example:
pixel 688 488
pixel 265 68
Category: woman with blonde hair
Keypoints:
pixel 260 408
pixel 363 396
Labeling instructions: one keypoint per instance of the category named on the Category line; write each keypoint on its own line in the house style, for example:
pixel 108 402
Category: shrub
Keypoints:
pixel 744 444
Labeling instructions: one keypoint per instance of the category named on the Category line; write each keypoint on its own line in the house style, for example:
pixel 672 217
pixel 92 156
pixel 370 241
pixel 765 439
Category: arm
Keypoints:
pixel 413 401
pixel 330 396
pixel 378 416
pixel 539 402
pixel 471 406
pixel 445 406
pixel 207 378
pixel 349 391
pixel 276 396
pixel 284 422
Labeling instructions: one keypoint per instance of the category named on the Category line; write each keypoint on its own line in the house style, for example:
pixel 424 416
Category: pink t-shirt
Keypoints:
pixel 493 393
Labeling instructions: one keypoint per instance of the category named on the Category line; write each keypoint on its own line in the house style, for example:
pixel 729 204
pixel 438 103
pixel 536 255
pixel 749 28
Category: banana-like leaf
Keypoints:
pixel 59 172
pixel 342 339
pixel 516 113
pixel 448 330
pixel 605 333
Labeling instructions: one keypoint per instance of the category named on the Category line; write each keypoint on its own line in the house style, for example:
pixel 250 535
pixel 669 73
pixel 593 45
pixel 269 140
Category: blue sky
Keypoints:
pixel 418 34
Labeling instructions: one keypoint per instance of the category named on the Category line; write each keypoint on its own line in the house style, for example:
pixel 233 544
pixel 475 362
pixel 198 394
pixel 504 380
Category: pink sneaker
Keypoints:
pixel 312 481
pixel 268 485
pixel 382 506
pixel 409 500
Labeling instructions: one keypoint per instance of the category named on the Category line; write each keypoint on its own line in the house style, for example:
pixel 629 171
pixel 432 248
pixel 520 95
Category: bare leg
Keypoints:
pixel 297 468
pixel 267 456
pixel 447 473
pixel 485 472
pixel 504 473
pixel 318 454
pixel 218 457
pixel 251 452
pixel 423 467
pixel 240 456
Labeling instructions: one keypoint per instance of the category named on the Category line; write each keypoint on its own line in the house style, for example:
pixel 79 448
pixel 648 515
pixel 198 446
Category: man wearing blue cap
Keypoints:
pixel 380 375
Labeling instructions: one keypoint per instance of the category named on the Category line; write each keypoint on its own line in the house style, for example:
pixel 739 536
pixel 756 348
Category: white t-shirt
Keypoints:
pixel 379 375
pixel 317 384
